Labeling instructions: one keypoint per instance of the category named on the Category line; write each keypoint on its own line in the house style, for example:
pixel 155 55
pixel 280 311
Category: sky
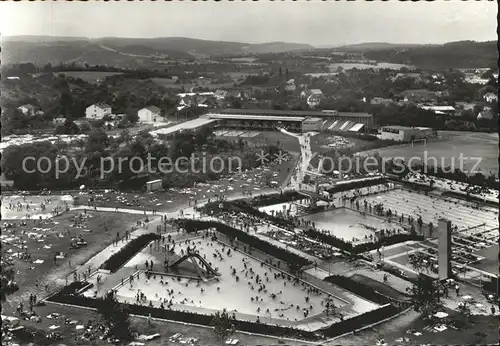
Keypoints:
pixel 316 23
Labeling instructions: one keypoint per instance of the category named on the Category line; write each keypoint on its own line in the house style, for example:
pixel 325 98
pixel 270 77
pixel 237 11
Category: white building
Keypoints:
pixel 486 114
pixel 27 109
pixel 58 121
pixel 440 109
pixel 314 98
pixel 311 124
pixel 490 97
pixel 150 114
pixel 154 185
pixel 97 111
pixel 405 133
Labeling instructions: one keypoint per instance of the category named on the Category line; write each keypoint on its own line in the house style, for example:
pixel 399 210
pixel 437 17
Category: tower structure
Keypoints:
pixel 444 249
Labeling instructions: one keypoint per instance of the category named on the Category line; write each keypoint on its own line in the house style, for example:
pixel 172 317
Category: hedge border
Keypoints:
pixel 122 256
pixel 333 330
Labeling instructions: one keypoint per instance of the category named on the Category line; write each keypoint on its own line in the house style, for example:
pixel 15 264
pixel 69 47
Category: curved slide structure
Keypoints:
pixel 194 258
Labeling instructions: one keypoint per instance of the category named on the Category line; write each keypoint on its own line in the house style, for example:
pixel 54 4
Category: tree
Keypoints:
pixel 425 295
pixel 115 316
pixel 7 280
pixel 223 325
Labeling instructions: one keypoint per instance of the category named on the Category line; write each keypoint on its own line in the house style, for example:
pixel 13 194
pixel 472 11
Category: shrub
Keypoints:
pixel 358 288
pixel 189 317
pixel 363 247
pixel 275 198
pixel 115 261
pixel 253 241
pixel 357 185
pixel 241 206
pixel 359 321
pixel 252 327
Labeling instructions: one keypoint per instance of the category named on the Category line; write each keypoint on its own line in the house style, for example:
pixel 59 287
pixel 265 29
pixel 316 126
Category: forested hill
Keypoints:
pixel 462 54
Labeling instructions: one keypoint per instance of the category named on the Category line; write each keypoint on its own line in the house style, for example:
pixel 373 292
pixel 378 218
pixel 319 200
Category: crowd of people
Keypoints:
pixel 269 285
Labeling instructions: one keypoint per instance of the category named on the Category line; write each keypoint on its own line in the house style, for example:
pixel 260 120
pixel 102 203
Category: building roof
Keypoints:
pixel 418 92
pixel 316 91
pixel 153 109
pixel 101 105
pixel 27 106
pixel 275 112
pixel 254 117
pixel 398 127
pixel 313 119
pixel 439 108
pixel 357 127
pixel 188 125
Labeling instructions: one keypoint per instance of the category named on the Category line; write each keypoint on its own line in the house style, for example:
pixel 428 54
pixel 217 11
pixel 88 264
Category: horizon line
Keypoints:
pixel 317 46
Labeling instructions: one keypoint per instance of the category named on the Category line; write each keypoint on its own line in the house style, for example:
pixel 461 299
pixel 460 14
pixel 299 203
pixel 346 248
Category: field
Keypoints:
pixel 172 199
pixel 170 83
pixel 166 329
pixel 89 76
pixel 43 239
pixel 471 145
pixel 478 330
pixel 362 66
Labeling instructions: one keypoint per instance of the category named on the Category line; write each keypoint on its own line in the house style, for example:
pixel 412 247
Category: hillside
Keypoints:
pixel 370 46
pixel 125 51
pixel 202 47
pixel 462 54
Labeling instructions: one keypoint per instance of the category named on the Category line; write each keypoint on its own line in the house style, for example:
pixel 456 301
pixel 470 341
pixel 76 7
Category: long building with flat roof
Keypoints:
pixel 257 122
pixel 365 119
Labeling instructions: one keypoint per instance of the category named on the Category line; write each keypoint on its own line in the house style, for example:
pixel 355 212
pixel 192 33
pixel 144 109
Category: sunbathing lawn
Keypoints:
pixel 52 237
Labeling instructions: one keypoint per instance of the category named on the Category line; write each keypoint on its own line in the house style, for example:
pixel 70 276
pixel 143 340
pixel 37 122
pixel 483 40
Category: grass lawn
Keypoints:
pixel 175 198
pixel 139 325
pixel 478 330
pixel 51 237
pixel 473 146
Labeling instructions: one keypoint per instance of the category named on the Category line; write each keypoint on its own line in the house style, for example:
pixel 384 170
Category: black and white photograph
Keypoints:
pixel 267 173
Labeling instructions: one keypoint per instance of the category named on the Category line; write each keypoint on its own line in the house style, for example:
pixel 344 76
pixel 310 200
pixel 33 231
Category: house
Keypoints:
pixel 450 110
pixel 486 114
pixel 415 76
pixel 490 97
pixel 314 98
pixel 58 121
pixel 150 114
pixel 465 105
pixel 97 111
pixel 27 109
pixel 290 85
pixel 221 94
pixel 239 94
pixel 204 81
pixel 418 95
pixel 196 100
